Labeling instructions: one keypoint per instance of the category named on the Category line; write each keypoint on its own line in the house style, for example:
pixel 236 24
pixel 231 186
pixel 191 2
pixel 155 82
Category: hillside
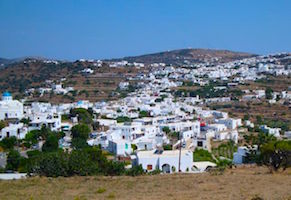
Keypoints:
pixel 18 75
pixel 191 55
pixel 5 61
pixel 34 73
pixel 240 184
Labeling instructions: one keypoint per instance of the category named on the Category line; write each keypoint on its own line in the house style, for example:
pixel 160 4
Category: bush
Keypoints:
pixel 33 153
pixel 51 143
pixel 166 129
pixel 83 162
pixel 31 138
pixel 13 160
pixel 101 190
pixel 84 116
pixel 8 142
pixel 134 147
pixel 79 143
pixel 123 119
pixel 135 171
pixel 52 164
pixel 202 155
pixel 143 113
pixel 168 147
pixel 155 172
pixel 276 154
pixel 114 168
pixel 81 131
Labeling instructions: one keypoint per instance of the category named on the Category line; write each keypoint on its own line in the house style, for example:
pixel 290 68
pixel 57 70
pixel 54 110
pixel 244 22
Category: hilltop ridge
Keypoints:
pixel 192 55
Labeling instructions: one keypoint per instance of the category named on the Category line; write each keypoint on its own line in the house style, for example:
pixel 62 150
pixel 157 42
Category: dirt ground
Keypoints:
pixel 241 183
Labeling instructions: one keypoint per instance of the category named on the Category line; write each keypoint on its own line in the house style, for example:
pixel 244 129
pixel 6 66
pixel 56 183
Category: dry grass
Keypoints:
pixel 233 184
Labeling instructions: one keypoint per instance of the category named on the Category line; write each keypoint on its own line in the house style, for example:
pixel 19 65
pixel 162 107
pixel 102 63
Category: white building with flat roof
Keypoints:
pixel 17 130
pixel 9 108
pixel 166 161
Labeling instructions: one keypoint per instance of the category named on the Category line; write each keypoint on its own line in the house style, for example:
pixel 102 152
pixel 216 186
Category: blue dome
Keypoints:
pixel 6 94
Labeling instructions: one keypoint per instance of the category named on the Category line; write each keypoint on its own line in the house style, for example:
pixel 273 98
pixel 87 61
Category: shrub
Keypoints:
pixel 276 154
pixel 123 119
pixel 202 155
pixel 168 147
pixel 135 171
pixel 13 160
pixel 51 143
pixel 101 190
pixel 8 142
pixel 80 131
pixel 84 116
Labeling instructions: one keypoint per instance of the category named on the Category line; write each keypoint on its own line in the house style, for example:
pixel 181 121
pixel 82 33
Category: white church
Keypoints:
pixel 9 108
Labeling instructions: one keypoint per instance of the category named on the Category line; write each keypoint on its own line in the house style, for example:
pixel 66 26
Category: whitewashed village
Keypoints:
pixel 153 127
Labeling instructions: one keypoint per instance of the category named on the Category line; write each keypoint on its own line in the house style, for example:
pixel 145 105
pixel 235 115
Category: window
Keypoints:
pixel 199 143
pixel 149 167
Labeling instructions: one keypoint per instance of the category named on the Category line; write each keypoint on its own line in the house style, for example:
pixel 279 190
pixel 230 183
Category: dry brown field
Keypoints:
pixel 240 183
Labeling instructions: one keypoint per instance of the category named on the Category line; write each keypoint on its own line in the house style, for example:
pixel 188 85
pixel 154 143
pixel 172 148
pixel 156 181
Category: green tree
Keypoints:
pixel 122 119
pixel 81 164
pixel 264 138
pixel 52 164
pixel 84 116
pixel 79 143
pixel 44 132
pixel 246 117
pixel 166 129
pixel 134 147
pixel 269 92
pixel 276 154
pixel 31 138
pixel 168 147
pixel 51 143
pixel 259 119
pixel 80 131
pixel 13 160
pixel 143 113
pixel 8 142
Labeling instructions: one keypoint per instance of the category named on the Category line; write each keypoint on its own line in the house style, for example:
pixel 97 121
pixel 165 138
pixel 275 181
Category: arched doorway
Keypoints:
pixel 166 168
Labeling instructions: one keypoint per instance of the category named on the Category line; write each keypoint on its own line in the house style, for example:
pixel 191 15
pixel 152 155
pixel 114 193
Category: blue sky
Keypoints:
pixel 72 29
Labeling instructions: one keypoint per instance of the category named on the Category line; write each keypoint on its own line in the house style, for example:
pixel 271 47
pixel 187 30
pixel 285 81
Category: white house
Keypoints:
pixel 166 161
pixel 9 108
pixel 17 130
pixel 230 123
pixel 120 147
pixel 50 120
pixel 272 131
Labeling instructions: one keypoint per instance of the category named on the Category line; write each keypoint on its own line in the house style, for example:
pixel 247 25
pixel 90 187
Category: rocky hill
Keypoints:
pixel 191 55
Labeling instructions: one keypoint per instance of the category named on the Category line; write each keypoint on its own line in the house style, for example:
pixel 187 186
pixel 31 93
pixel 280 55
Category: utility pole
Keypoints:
pixel 180 146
